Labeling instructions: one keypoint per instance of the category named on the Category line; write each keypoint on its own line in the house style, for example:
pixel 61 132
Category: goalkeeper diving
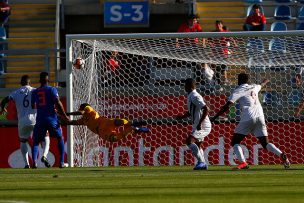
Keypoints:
pixel 110 129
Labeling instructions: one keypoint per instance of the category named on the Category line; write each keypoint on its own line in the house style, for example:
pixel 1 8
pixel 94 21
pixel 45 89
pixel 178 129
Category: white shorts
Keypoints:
pixel 25 131
pixel 201 134
pixel 256 126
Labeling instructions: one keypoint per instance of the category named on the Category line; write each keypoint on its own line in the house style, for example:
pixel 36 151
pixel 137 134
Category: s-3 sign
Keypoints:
pixel 126 14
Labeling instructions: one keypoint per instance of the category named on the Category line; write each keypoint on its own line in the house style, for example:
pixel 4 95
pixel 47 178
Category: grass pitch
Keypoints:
pixel 152 184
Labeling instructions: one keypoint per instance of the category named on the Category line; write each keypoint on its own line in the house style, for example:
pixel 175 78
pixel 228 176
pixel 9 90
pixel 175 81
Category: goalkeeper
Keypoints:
pixel 110 129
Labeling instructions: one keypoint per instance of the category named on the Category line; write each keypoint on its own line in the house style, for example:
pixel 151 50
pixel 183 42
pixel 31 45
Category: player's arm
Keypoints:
pixel 75 113
pixel 183 116
pixel 60 109
pixel 300 108
pixel 204 115
pixel 73 122
pixel 225 108
pixel 3 104
pixel 264 83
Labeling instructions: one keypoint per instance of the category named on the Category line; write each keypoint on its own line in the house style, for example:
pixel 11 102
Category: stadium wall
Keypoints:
pixel 161 148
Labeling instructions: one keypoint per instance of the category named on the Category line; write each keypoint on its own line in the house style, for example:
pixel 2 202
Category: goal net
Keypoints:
pixel 140 77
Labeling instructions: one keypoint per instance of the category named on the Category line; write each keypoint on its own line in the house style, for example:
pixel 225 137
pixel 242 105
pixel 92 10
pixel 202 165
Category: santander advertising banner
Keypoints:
pixel 164 145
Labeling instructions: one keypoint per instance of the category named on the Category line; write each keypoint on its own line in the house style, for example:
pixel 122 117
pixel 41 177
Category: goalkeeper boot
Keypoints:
pixel 138 123
pixel 141 130
pixel 242 165
pixel 45 161
pixel 285 161
pixel 200 166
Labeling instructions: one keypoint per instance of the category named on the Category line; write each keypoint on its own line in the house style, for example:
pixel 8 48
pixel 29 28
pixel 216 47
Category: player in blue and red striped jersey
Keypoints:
pixel 46 100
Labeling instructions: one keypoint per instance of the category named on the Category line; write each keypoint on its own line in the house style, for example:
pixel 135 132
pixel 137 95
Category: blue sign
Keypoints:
pixel 126 14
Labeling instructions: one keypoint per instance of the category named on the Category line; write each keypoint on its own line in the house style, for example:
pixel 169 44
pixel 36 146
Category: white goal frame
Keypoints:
pixel 70 38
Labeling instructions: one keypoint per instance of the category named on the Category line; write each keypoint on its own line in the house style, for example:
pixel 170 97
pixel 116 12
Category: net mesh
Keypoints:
pixel 142 79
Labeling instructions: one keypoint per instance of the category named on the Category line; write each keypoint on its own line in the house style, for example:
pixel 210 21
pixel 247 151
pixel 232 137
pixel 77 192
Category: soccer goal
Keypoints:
pixel 140 77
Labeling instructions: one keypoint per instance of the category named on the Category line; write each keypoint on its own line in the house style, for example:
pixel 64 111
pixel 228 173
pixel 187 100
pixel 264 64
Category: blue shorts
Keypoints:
pixel 40 129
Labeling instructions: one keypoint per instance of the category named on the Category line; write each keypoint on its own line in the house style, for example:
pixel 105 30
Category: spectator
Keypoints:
pixel 192 25
pixel 221 46
pixel 5 12
pixel 256 21
pixel 46 100
pixel 299 83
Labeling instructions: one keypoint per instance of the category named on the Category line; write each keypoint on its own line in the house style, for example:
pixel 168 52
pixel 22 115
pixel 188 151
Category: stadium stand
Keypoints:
pixel 278 26
pixel 283 1
pixel 300 26
pixel 2 48
pixel 301 13
pixel 282 12
pixel 31 37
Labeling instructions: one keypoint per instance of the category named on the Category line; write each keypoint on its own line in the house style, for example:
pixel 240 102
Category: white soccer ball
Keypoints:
pixel 78 63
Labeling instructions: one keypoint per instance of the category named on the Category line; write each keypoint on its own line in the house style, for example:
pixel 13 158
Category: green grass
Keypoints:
pixel 153 184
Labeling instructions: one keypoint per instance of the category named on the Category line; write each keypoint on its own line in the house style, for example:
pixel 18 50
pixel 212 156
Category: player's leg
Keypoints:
pixel 261 133
pixel 131 125
pixel 56 131
pixel 24 134
pixel 128 128
pixel 272 148
pixel 46 147
pixel 241 131
pixel 235 143
pixel 194 142
pixel 38 136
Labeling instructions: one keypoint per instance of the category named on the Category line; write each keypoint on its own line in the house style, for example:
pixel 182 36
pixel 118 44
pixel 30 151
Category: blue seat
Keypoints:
pixel 300 26
pixel 2 34
pixel 278 26
pixel 253 1
pixel 277 45
pixel 282 12
pixel 283 1
pixel 295 97
pixel 271 99
pixel 301 13
pixel 250 11
pixel 255 46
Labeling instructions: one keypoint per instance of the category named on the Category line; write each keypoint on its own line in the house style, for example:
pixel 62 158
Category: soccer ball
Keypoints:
pixel 78 63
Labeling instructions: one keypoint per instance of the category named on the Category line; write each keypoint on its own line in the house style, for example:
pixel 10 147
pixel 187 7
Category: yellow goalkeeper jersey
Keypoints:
pixel 102 126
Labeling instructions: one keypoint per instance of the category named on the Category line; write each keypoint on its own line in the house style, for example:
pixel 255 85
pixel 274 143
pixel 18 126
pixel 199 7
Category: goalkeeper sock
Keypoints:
pixel 196 152
pixel 239 152
pixel 46 146
pixel 24 151
pixel 272 148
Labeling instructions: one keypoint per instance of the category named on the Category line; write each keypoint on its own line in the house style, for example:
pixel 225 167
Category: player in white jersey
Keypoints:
pixel 26 116
pixel 252 119
pixel 201 125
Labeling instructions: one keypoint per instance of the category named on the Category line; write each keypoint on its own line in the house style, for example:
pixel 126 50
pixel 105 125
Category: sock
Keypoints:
pixel 272 148
pixel 46 146
pixel 196 152
pixel 61 150
pixel 239 153
pixel 24 151
pixel 202 155
pixel 35 153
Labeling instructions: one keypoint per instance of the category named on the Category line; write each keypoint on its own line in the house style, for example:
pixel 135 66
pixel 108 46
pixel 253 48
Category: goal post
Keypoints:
pixel 140 77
